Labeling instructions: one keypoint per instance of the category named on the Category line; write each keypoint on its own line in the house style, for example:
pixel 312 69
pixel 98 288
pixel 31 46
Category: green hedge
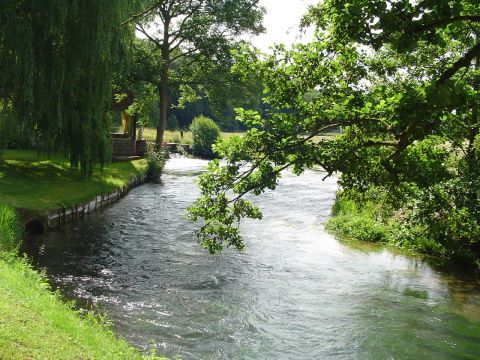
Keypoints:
pixel 205 133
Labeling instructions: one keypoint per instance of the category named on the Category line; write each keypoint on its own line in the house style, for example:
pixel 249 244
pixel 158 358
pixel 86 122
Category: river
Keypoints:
pixel 295 293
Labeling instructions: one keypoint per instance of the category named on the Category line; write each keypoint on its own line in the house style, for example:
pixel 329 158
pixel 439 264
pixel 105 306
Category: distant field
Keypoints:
pixel 174 136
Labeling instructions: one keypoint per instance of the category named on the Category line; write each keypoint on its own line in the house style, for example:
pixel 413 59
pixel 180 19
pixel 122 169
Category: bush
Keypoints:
pixel 449 213
pixel 351 221
pixel 365 216
pixel 359 227
pixel 155 164
pixel 172 123
pixel 10 232
pixel 205 133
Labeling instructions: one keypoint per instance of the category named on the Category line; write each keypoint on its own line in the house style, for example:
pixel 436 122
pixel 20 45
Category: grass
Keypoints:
pixel 361 228
pixel 350 222
pixel 36 324
pixel 174 136
pixel 28 181
pixel 9 230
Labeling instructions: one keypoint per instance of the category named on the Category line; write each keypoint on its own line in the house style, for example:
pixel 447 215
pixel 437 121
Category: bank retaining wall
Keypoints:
pixel 37 222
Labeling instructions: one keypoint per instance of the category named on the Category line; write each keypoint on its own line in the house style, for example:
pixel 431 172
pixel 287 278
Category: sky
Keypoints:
pixel 282 22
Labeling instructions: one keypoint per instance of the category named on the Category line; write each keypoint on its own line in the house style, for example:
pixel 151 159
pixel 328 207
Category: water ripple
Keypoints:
pixel 295 293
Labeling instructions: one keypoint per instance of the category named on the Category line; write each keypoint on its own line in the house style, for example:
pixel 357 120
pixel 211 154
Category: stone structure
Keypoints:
pixel 38 222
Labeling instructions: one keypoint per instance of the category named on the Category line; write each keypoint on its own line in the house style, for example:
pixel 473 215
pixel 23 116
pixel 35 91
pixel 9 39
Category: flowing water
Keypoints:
pixel 295 293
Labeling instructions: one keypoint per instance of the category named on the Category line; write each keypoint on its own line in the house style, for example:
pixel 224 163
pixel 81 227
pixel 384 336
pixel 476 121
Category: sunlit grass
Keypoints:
pixel 175 136
pixel 35 323
pixel 35 182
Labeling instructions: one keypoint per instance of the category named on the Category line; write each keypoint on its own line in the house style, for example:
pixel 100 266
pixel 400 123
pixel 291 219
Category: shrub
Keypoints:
pixel 359 227
pixel 172 123
pixel 155 164
pixel 9 230
pixel 205 133
pixel 449 213
pixel 359 220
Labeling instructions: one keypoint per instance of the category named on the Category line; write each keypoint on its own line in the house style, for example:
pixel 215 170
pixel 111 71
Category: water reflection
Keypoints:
pixel 295 293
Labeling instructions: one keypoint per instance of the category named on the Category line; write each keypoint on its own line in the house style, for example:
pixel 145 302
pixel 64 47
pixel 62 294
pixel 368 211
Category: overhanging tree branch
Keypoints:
pixel 186 53
pixel 464 61
pixel 443 22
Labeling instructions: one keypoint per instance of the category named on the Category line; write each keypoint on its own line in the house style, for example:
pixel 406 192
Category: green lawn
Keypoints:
pixel 174 136
pixel 38 183
pixel 35 324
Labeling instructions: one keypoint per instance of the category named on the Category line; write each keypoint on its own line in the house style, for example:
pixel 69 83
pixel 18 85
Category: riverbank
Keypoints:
pixel 35 323
pixel 374 223
pixel 36 182
pixel 176 136
pixel 139 261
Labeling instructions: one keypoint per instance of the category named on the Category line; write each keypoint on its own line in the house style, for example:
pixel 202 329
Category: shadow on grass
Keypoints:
pixel 50 184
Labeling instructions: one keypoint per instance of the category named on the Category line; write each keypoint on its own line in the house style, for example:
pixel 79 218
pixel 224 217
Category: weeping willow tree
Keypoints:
pixel 56 61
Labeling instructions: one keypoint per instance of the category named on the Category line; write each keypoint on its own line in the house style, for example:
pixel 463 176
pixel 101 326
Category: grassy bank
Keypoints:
pixel 373 221
pixel 370 220
pixel 33 182
pixel 35 323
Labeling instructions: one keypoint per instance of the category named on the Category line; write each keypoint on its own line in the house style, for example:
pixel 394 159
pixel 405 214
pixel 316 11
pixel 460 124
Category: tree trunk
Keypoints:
pixel 134 134
pixel 162 121
pixel 163 88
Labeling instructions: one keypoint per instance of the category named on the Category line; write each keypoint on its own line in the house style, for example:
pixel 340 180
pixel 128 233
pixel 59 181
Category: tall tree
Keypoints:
pixel 193 33
pixel 57 59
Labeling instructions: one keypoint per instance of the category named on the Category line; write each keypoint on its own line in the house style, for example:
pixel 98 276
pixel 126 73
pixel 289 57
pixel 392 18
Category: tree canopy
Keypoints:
pixel 400 79
pixel 194 39
pixel 57 59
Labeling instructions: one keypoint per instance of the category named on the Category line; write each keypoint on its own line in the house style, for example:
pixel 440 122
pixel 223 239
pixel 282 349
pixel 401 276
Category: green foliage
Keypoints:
pixel 10 232
pixel 406 103
pixel 448 213
pixel 194 52
pixel 13 134
pixel 145 104
pixel 360 222
pixel 358 227
pixel 205 134
pixel 57 60
pixel 172 123
pixel 155 164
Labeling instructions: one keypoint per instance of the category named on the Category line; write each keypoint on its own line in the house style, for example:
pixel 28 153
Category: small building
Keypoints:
pixel 125 143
